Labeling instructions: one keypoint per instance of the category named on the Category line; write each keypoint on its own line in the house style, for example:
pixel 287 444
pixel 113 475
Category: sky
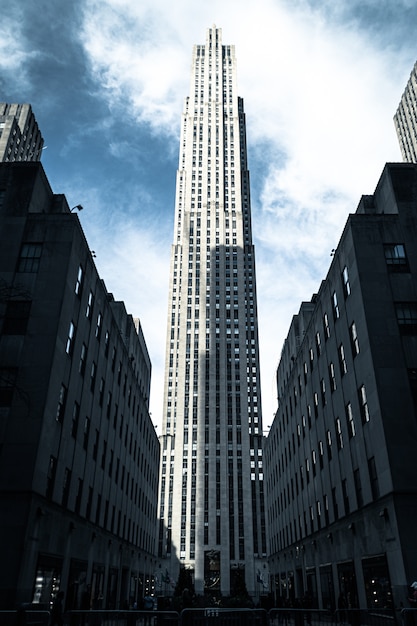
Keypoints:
pixel 321 81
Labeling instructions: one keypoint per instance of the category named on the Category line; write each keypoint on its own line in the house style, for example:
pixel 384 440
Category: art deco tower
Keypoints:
pixel 405 119
pixel 211 499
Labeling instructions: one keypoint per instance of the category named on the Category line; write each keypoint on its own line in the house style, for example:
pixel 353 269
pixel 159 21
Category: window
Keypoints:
pixel 70 339
pixel 79 281
pixel 50 477
pixel 326 326
pixel 346 283
pixel 354 342
pixel 332 377
pixel 373 477
pixel 89 308
pixel 342 360
pixel 83 358
pixel 8 377
pixel 350 421
pixel 16 317
pixel 407 317
pixel 99 325
pixel 75 419
pixel 30 255
pixel 336 310
pixel 66 486
pixel 318 343
pixel 395 257
pixel 358 487
pixel 339 435
pixel 62 399
pixel 363 404
pixel 93 375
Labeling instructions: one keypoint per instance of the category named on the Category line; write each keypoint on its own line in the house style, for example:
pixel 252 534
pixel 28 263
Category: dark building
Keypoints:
pixel 340 460
pixel 79 455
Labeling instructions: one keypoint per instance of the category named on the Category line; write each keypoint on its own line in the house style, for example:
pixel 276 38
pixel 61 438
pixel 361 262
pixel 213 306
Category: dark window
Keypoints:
pixel 50 477
pixel 396 257
pixel 8 377
pixel 93 376
pixel 16 317
pixel 83 357
pixel 75 419
pixel 373 477
pixel 30 255
pixel 66 486
pixel 407 317
pixel 60 410
pixel 358 488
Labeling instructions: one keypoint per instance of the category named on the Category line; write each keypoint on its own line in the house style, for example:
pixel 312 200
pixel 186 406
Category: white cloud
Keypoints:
pixel 319 94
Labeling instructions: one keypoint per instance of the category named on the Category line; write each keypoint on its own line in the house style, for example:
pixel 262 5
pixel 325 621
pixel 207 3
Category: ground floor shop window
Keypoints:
pixel 47 581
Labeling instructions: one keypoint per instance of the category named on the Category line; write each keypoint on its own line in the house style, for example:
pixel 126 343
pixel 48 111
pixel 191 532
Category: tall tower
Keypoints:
pixel 20 137
pixel 211 500
pixel 405 119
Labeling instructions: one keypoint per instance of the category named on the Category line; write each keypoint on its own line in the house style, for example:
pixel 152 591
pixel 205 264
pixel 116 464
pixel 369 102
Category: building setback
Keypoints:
pixel 79 456
pixel 20 137
pixel 211 481
pixel 405 119
pixel 340 457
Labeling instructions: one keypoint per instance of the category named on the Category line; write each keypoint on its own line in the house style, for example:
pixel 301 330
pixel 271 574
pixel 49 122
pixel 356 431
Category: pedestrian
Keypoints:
pixel 56 617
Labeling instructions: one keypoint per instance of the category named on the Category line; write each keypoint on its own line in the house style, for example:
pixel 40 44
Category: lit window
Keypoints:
pixel 395 257
pixel 363 403
pixel 89 308
pixel 354 339
pixel 70 339
pixel 342 360
pixel 336 311
pixel 350 421
pixel 346 283
pixel 79 281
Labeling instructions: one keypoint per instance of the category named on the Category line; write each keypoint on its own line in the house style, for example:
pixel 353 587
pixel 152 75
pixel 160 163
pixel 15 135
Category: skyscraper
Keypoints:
pixel 405 119
pixel 20 137
pixel 211 489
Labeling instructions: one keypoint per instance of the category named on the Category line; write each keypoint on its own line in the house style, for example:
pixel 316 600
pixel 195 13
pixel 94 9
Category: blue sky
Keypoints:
pixel 107 78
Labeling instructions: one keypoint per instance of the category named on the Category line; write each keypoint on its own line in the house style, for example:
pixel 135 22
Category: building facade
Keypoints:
pixel 340 457
pixel 20 137
pixel 79 456
pixel 211 481
pixel 405 119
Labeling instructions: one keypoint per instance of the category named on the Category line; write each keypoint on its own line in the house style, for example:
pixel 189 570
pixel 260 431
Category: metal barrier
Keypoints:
pixel 340 617
pixel 216 616
pixel 122 618
pixel 23 617
pixel 409 617
pixel 224 617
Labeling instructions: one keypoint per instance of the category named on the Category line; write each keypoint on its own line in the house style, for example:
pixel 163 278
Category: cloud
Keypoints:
pixel 107 79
